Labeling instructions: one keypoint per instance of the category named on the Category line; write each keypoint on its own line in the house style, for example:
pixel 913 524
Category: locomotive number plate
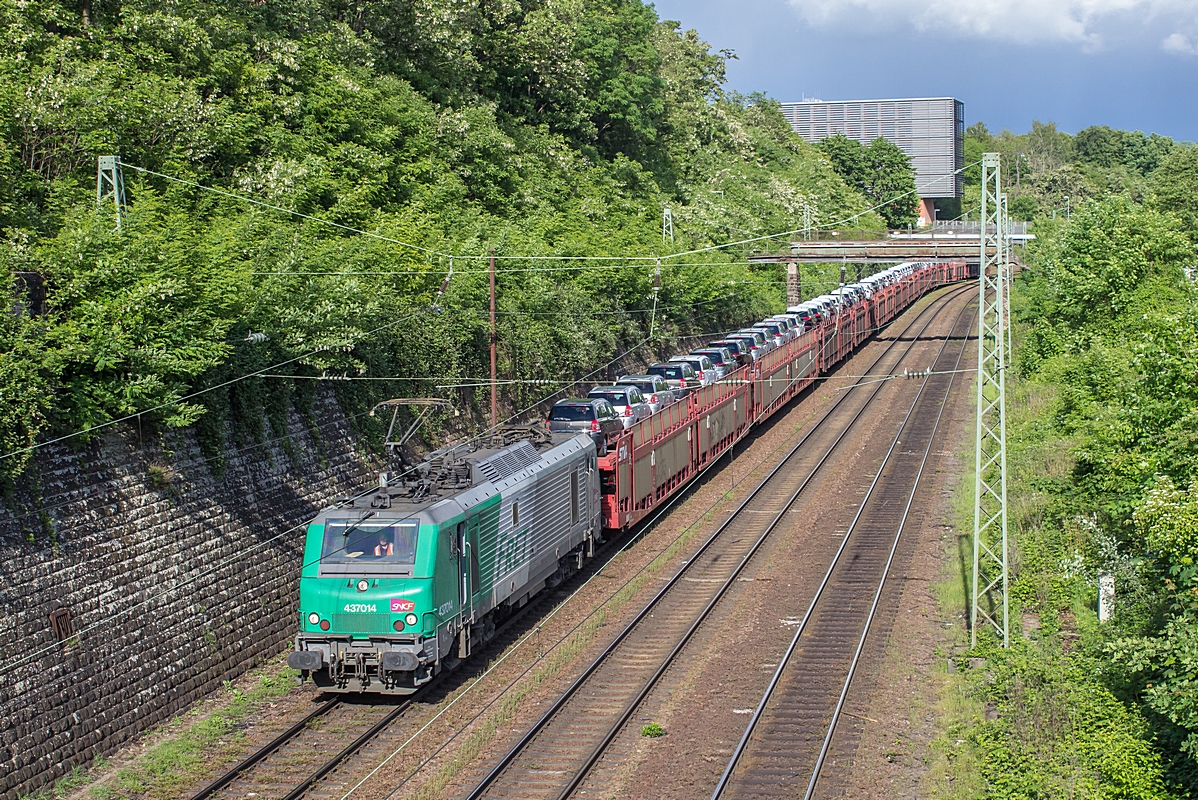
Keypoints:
pixel 351 608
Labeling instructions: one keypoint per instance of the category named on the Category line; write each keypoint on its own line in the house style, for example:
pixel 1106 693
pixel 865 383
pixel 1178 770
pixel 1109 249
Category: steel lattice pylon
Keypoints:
pixel 990 575
pixel 110 182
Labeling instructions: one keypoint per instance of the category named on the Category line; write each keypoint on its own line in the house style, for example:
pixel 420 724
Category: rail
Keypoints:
pixel 654 604
pixel 788 729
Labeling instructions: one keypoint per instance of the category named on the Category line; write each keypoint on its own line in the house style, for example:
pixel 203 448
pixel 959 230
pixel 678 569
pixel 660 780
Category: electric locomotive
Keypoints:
pixel 401 584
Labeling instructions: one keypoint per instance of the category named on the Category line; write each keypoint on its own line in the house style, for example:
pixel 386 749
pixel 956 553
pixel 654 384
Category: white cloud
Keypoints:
pixel 1179 43
pixel 1089 23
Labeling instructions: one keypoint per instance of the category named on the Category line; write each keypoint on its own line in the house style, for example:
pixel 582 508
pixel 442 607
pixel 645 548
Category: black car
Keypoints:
pixel 591 415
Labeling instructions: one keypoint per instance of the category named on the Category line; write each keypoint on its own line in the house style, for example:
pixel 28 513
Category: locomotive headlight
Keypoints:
pixel 324 624
pixel 398 625
pixel 314 618
pixel 363 585
pixel 411 619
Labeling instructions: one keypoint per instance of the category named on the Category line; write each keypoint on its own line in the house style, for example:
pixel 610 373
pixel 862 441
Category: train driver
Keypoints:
pixel 384 547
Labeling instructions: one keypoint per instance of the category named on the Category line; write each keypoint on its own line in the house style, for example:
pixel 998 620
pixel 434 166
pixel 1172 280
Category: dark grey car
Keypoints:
pixel 592 415
pixel 681 377
pixel 738 347
pixel 755 342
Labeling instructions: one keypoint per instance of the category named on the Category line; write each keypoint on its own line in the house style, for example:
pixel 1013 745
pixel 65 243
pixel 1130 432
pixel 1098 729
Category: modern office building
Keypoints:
pixel 930 130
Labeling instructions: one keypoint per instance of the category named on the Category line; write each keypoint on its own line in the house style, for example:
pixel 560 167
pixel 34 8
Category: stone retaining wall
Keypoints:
pixel 172 577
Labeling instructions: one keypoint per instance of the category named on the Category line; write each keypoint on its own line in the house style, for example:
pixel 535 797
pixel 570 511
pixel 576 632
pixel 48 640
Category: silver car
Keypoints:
pixel 765 342
pixel 657 392
pixel 627 401
pixel 792 321
pixel 704 369
pixel 721 358
pixel 750 344
pixel 779 330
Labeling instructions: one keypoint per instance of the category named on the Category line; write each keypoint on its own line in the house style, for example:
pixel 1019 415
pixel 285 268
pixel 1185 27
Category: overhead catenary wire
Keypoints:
pixel 29 656
pixel 545 257
pixel 175 402
pixel 272 367
pixel 430 251
pixel 291 211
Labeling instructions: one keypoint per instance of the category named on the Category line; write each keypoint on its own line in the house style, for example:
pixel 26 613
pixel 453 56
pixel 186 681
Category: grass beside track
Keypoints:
pixel 1034 719
pixel 182 752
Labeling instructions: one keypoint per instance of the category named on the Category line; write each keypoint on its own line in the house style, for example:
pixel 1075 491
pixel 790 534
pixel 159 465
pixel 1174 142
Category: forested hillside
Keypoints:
pixel 558 127
pixel 1104 481
pixel 1046 172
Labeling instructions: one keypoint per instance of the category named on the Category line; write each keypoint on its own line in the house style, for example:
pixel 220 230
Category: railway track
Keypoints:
pixel 789 736
pixel 322 744
pixel 331 733
pixel 553 758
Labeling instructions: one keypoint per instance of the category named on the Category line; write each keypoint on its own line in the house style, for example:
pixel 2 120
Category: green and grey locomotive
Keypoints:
pixel 401 584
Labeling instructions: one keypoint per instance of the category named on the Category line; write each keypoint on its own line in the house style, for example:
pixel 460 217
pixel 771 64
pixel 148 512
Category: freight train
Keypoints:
pixel 405 582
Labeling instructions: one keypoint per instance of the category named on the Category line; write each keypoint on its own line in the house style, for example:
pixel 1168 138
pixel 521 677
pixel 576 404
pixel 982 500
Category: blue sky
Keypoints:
pixel 1129 64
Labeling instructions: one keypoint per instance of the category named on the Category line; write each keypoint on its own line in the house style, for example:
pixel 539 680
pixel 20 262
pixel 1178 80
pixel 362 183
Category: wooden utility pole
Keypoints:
pixel 494 341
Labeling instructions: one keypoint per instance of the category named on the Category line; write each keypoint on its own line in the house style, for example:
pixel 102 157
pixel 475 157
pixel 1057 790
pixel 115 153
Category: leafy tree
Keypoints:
pixel 881 171
pixel 1024 207
pixel 543 127
pixel 1174 185
pixel 1164 667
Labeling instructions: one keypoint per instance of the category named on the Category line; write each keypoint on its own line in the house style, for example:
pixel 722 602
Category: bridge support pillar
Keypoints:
pixel 927 212
pixel 794 285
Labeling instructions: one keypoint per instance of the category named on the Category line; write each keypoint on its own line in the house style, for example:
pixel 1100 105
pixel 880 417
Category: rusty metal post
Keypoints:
pixel 494 340
pixel 794 285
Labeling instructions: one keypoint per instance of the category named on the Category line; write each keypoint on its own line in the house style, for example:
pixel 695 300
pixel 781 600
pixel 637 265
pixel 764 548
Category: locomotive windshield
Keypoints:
pixel 369 541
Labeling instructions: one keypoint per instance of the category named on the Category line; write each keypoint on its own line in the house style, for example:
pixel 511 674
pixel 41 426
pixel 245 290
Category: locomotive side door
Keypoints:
pixel 467 547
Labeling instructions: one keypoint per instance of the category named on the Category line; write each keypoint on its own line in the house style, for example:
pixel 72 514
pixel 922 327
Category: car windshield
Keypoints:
pixel 716 357
pixel 615 398
pixel 669 371
pixel 644 386
pixel 378 541
pixel 572 413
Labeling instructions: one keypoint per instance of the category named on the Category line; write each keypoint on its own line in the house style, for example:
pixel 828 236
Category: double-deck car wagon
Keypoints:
pixel 404 583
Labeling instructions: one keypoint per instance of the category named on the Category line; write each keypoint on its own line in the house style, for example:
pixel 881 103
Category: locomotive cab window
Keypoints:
pixel 371 541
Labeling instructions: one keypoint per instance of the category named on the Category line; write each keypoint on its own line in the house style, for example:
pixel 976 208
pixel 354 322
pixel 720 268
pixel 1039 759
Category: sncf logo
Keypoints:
pixel 399 605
